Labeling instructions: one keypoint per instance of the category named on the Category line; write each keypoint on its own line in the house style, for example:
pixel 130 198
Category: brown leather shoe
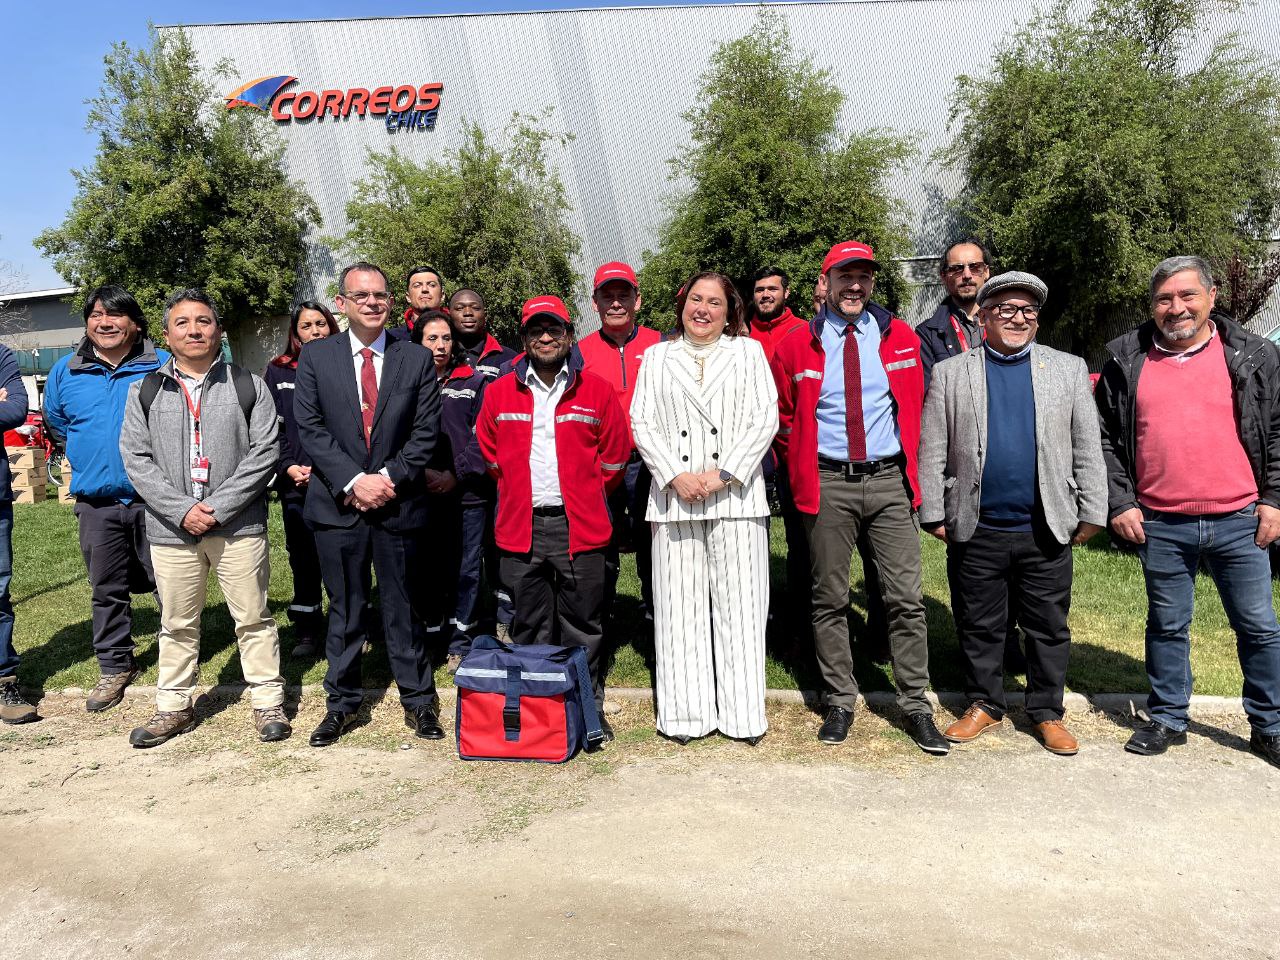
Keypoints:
pixel 971 725
pixel 13 707
pixel 1057 738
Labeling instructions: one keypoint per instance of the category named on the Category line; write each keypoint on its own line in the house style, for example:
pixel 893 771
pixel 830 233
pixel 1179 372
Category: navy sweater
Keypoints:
pixel 1009 487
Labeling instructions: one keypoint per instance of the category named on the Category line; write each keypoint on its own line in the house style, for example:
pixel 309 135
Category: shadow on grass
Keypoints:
pixel 72 646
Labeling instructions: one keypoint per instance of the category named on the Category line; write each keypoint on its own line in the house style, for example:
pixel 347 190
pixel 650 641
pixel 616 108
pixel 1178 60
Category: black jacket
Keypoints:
pixel 280 381
pixel 1254 364
pixel 406 422
pixel 938 338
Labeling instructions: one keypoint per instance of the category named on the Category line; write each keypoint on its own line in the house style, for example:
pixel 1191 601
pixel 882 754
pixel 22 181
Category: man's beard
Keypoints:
pixel 773 313
pixel 1173 336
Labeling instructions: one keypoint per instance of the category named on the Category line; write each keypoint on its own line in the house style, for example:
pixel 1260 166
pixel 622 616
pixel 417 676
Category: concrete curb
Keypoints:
pixel 1078 703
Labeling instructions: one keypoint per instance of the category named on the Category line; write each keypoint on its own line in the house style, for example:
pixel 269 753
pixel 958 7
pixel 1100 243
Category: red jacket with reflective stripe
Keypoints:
pixel 769 333
pixel 798 365
pixel 616 365
pixel 591 450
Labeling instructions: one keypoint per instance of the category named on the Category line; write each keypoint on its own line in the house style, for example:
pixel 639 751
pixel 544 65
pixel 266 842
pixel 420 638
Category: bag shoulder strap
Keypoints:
pixel 587 695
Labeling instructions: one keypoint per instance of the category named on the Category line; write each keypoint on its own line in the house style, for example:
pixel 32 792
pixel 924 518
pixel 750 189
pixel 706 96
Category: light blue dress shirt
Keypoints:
pixel 877 403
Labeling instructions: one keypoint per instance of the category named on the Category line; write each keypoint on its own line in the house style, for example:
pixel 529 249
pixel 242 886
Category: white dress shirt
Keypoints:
pixel 544 465
pixel 379 347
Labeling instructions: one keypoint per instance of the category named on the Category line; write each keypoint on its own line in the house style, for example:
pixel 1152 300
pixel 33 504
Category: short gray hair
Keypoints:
pixel 194 295
pixel 1171 265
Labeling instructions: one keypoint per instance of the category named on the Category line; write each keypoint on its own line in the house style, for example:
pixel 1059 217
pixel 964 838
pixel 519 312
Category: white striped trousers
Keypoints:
pixel 711 606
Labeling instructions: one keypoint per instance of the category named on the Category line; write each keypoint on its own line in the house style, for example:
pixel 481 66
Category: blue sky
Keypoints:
pixel 52 64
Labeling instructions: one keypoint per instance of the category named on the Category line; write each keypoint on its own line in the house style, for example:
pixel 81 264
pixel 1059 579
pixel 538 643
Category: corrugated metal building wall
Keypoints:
pixel 618 79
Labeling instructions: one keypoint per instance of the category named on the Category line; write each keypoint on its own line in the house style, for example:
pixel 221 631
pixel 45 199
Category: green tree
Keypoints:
pixel 1108 138
pixel 183 192
pixel 771 179
pixel 488 217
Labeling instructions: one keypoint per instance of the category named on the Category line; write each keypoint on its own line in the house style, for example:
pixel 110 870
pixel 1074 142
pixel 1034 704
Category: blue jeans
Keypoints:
pixel 1242 572
pixel 8 655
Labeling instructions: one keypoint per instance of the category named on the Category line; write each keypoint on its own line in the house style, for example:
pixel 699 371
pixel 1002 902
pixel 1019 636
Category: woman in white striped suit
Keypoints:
pixel 704 413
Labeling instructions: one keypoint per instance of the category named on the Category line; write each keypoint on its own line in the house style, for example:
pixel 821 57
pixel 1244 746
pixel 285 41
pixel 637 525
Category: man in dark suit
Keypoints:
pixel 368 411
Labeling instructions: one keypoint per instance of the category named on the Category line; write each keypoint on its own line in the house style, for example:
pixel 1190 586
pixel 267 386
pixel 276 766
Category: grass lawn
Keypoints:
pixel 54 636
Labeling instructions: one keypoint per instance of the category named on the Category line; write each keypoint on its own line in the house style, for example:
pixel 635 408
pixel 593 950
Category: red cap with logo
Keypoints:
pixel 617 270
pixel 548 306
pixel 848 252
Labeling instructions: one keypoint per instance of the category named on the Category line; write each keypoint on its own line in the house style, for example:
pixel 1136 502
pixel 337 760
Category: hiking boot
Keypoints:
pixel 110 690
pixel 304 649
pixel 271 724
pixel 503 631
pixel 14 709
pixel 165 725
pixel 453 663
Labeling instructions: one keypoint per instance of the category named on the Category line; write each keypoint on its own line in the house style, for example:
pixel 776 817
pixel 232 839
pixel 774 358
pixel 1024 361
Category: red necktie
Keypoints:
pixel 853 424
pixel 368 393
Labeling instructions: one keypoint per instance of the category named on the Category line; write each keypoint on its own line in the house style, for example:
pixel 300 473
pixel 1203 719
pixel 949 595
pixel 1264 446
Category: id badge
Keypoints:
pixel 200 470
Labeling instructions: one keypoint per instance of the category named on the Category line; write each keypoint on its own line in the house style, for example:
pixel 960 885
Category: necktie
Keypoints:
pixel 854 426
pixel 368 393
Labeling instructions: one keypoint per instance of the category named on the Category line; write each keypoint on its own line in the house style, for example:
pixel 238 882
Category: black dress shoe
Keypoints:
pixel 1154 738
pixel 835 728
pixel 424 721
pixel 920 727
pixel 753 741
pixel 679 738
pixel 333 726
pixel 1267 746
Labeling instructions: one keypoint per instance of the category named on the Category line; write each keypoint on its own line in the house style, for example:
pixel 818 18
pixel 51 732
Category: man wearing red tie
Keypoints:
pixel 368 412
pixel 850 395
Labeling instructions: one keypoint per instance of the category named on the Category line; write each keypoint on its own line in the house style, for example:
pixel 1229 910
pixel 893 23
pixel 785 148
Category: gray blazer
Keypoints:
pixel 242 456
pixel 953 444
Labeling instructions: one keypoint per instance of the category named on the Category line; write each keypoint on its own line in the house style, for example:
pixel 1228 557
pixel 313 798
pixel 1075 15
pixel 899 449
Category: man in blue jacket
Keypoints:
pixel 13 413
pixel 84 405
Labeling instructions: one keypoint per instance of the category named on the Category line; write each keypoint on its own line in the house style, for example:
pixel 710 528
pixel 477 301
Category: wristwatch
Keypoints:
pixel 726 477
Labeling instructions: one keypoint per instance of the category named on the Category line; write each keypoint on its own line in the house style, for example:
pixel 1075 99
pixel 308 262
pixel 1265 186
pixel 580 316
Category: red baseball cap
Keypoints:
pixel 549 306
pixel 617 270
pixel 848 252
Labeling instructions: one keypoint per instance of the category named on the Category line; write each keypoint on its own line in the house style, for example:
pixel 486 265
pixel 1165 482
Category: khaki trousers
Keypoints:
pixel 878 508
pixel 243 566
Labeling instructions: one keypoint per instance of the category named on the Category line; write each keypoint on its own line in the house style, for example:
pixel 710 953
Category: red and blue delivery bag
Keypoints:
pixel 526 702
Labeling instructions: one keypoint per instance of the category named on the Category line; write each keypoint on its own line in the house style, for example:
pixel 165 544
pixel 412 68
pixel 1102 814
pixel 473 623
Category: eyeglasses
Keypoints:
pixel 363 296
pixel 955 269
pixel 555 333
pixel 1007 311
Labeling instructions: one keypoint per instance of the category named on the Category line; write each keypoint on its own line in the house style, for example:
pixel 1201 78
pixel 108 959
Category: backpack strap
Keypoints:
pixel 587 696
pixel 246 392
pixel 241 379
pixel 151 385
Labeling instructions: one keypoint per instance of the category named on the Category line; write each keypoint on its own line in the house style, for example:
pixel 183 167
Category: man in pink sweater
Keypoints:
pixel 1190 411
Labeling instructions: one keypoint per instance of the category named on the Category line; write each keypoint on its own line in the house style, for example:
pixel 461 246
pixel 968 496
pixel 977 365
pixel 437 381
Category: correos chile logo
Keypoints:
pixel 405 107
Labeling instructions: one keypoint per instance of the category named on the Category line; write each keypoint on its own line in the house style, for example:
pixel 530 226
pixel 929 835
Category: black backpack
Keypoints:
pixel 246 393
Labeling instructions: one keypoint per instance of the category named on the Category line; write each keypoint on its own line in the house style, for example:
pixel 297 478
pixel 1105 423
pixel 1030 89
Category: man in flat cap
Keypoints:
pixel 1011 477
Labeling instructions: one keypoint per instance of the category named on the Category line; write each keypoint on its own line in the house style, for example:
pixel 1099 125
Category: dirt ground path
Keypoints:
pixel 217 846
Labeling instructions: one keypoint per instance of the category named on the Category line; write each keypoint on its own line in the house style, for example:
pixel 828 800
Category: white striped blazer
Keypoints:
pixel 726 423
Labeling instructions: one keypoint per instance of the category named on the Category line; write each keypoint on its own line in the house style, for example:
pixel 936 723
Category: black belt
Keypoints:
pixel 549 511
pixel 858 468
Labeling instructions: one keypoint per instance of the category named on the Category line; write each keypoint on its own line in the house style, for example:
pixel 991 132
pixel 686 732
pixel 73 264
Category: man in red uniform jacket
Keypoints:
pixel 850 395
pixel 613 354
pixel 555 439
